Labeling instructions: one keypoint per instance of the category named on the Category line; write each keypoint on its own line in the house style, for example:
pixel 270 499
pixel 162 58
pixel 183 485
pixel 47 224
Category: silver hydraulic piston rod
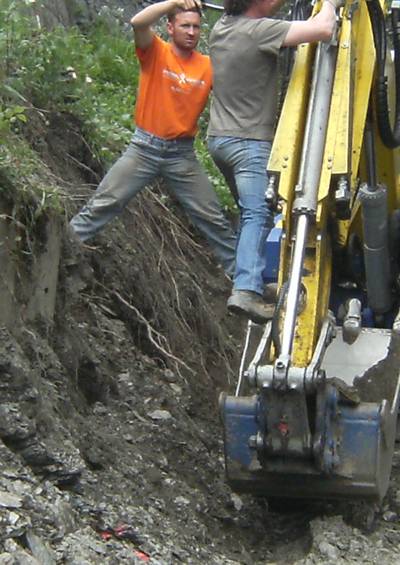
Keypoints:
pixel 294 286
pixel 305 203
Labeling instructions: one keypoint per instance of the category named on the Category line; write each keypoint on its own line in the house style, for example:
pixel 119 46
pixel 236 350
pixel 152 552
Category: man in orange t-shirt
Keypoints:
pixel 175 81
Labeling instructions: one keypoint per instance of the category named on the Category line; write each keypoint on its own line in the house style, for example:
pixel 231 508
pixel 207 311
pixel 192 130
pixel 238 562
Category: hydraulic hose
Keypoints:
pixel 390 135
pixel 275 320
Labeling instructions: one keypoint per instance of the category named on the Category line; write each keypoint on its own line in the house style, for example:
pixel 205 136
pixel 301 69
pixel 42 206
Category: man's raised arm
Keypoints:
pixel 318 28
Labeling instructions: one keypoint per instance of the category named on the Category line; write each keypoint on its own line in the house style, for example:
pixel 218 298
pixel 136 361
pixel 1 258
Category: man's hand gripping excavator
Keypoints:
pixel 315 410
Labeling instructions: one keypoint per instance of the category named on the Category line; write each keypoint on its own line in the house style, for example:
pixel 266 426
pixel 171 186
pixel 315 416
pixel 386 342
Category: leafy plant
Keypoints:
pixel 11 115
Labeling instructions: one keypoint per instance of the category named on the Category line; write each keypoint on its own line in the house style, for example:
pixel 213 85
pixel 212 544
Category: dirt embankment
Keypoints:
pixel 111 363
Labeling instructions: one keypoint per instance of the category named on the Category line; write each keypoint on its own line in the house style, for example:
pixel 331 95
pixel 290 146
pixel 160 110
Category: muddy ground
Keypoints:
pixel 111 445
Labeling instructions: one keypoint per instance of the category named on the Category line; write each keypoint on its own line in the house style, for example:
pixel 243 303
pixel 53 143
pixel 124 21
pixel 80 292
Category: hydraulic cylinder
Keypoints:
pixel 376 247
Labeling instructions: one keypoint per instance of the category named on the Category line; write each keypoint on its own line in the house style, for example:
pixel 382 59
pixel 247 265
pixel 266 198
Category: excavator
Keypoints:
pixel 314 414
pixel 315 411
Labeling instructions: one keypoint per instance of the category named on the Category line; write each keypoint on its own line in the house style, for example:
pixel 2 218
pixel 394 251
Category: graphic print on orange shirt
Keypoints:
pixel 181 79
pixel 172 91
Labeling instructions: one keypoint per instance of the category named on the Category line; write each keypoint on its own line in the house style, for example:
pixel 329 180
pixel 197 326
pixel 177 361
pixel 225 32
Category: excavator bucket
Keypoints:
pixel 349 452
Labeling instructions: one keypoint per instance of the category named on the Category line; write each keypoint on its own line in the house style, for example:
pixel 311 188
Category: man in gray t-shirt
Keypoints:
pixel 244 53
pixel 244 46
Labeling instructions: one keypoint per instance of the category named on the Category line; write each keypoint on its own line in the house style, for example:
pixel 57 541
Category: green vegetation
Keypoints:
pixel 26 180
pixel 91 73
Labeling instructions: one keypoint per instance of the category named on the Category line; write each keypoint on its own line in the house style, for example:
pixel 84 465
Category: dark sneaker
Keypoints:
pixel 251 305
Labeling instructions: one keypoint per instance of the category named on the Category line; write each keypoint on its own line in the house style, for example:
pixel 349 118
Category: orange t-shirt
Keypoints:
pixel 172 91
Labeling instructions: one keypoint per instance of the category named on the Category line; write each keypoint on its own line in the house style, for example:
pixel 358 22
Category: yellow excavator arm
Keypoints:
pixel 320 163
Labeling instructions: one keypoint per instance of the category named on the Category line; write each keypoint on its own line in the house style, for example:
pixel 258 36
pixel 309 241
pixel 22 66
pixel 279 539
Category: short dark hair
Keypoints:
pixel 171 15
pixel 236 7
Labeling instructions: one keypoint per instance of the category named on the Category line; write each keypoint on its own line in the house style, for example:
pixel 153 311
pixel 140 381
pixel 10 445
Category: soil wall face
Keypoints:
pixel 28 282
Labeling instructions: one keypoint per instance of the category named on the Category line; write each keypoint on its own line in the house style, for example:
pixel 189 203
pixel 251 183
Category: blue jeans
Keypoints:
pixel 146 158
pixel 243 163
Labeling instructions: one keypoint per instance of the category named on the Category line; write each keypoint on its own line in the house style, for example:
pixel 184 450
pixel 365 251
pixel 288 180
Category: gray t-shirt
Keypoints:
pixel 244 55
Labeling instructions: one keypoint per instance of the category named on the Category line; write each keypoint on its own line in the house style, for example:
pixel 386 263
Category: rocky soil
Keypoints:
pixel 112 359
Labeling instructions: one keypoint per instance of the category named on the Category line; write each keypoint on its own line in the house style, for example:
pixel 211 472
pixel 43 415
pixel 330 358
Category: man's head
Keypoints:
pixel 254 8
pixel 171 16
pixel 184 28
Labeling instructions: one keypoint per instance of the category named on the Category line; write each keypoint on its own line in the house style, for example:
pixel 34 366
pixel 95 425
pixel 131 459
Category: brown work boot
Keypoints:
pixel 251 305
